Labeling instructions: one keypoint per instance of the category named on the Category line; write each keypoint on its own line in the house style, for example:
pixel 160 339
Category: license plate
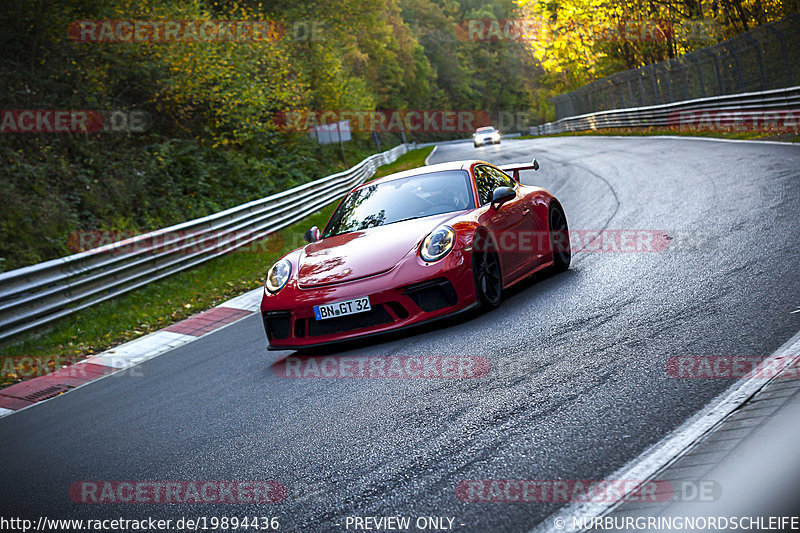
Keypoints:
pixel 344 308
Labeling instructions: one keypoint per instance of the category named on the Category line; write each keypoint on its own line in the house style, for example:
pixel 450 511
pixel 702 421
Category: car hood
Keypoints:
pixel 359 254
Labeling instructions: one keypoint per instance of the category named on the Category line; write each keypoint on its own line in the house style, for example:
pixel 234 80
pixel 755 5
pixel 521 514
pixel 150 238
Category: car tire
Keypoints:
pixel 559 238
pixel 487 275
pixel 475 145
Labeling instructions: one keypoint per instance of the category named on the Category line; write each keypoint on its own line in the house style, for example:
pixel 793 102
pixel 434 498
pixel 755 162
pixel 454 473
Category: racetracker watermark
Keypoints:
pixel 678 523
pixel 73 121
pixel 383 367
pixel 585 490
pixel 733 367
pixel 187 31
pixel 173 242
pixel 785 120
pixel 31 366
pixel 595 241
pixel 538 29
pixel 177 492
pixel 395 121
pixel 67 368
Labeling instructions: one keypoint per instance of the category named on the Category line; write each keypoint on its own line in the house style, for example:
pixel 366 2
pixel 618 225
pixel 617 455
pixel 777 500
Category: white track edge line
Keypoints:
pixel 676 137
pixel 722 140
pixel 674 445
pixel 430 154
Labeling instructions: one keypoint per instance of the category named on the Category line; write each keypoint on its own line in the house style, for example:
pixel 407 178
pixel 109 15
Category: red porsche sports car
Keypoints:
pixel 413 247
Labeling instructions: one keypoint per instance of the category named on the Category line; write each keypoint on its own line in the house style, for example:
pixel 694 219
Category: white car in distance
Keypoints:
pixel 487 135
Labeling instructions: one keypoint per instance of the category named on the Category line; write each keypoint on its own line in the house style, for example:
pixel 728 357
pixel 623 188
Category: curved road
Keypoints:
pixel 576 390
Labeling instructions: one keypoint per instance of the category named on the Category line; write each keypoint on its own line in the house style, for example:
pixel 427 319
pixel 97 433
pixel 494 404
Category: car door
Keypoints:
pixel 528 240
pixel 508 223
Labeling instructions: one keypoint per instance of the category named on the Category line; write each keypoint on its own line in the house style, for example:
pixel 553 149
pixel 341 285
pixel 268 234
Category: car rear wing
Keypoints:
pixel 514 168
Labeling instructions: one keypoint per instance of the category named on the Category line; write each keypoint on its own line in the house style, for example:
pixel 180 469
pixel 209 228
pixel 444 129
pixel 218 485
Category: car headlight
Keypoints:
pixel 437 244
pixel 278 275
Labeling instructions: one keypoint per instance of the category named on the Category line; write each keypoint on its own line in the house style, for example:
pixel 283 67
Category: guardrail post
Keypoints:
pixel 700 76
pixel 630 92
pixel 685 68
pixel 668 75
pixel 715 59
pixel 656 98
pixel 618 101
pixel 737 69
pixel 642 101
pixel 784 51
pixel 587 101
pixel 557 105
pixel 757 46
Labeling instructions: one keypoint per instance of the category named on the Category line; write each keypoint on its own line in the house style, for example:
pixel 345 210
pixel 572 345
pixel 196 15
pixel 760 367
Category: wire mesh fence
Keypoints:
pixel 765 58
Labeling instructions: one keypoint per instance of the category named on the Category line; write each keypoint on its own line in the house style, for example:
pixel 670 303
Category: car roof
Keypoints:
pixel 429 169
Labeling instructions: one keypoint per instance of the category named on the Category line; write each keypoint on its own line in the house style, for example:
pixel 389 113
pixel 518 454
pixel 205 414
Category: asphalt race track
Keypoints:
pixel 577 386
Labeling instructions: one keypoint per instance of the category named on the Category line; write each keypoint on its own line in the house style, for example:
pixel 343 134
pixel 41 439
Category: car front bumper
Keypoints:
pixel 411 293
pixel 486 140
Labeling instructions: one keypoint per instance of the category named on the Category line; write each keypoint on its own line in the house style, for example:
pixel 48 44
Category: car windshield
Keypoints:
pixel 485 130
pixel 402 199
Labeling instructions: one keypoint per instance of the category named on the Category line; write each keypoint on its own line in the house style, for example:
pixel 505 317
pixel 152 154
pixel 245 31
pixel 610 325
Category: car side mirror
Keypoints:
pixel 501 195
pixel 312 234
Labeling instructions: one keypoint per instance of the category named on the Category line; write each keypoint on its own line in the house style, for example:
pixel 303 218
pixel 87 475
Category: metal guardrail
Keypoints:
pixel 36 295
pixel 739 109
